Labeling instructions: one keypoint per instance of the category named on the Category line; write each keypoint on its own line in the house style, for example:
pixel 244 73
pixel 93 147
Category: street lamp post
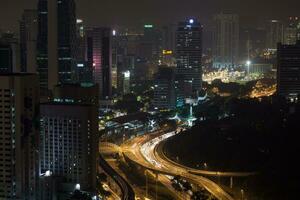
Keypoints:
pixel 248 63
pixel 242 194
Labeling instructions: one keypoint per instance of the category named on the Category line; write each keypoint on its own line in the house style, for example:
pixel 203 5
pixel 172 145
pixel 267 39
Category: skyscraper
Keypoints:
pixel 56 42
pixel 189 55
pixel 6 58
pixel 19 97
pixel 225 40
pixel 288 71
pixel 99 55
pixel 28 39
pixel 9 54
pixel 275 33
pixel 164 89
pixel 292 31
pixel 69 142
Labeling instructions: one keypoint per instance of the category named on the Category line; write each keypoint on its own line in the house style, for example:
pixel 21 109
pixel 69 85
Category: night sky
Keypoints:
pixel 129 12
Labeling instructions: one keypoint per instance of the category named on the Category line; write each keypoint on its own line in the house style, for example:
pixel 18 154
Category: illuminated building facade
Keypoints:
pixel 275 33
pixel 19 98
pixel 56 42
pixel 164 89
pixel 99 55
pixel 292 31
pixel 69 142
pixel 189 56
pixel 225 40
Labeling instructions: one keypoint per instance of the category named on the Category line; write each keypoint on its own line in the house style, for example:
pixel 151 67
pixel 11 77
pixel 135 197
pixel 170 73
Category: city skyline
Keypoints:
pixel 152 100
pixel 158 12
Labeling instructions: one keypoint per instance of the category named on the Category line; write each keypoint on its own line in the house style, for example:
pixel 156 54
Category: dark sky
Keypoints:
pixel 105 12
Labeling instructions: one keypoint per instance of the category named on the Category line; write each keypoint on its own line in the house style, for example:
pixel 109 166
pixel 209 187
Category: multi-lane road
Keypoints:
pixel 142 150
pixel 127 191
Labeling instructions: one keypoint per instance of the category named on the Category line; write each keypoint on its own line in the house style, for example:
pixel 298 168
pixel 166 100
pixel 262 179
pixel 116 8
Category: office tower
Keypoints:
pixel 189 55
pixel 292 31
pixel 124 82
pixel 99 55
pixel 85 93
pixel 6 65
pixel 288 70
pixel 84 70
pixel 9 54
pixel 19 98
pixel 275 33
pixel 150 45
pixel 168 37
pixel 125 64
pixel 80 40
pixel 56 42
pixel 225 40
pixel 69 143
pixel 28 39
pixel 164 88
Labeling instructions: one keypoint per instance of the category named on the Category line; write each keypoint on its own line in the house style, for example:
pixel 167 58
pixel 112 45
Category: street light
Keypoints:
pixel 242 193
pixel 248 63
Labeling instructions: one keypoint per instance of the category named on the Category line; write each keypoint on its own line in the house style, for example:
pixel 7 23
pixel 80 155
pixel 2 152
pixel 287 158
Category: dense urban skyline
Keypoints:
pixel 152 100
pixel 116 12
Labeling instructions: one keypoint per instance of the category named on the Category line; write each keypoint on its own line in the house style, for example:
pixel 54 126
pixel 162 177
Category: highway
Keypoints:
pixel 142 150
pixel 127 191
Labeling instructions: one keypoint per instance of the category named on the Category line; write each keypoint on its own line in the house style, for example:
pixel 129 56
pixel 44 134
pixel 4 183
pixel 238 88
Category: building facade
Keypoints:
pixel 99 57
pixel 19 144
pixel 56 42
pixel 225 40
pixel 164 89
pixel 28 39
pixel 288 70
pixel 189 55
pixel 69 143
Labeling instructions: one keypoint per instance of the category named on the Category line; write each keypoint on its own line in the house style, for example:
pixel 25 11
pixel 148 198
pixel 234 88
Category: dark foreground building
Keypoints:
pixel 288 71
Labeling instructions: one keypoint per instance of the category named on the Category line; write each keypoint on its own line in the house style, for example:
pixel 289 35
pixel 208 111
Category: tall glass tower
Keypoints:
pixel 56 42
pixel 189 56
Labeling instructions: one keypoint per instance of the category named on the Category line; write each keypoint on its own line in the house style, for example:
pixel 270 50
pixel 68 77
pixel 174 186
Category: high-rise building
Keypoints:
pixel 6 65
pixel 288 71
pixel 189 55
pixel 85 93
pixel 292 31
pixel 99 55
pixel 56 42
pixel 28 39
pixel 168 37
pixel 275 33
pixel 225 40
pixel 69 143
pixel 150 44
pixel 164 89
pixel 84 70
pixel 9 54
pixel 19 101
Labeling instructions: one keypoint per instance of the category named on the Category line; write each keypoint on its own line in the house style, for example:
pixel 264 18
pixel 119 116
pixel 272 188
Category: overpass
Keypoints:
pixel 126 189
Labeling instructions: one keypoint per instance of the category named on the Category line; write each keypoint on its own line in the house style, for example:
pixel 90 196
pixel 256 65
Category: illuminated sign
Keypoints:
pixel 167 52
pixel 148 26
pixel 127 74
pixel 80 65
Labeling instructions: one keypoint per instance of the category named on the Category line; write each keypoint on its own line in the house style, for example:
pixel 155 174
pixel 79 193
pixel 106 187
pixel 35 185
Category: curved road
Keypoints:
pixel 160 152
pixel 142 151
pixel 127 191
